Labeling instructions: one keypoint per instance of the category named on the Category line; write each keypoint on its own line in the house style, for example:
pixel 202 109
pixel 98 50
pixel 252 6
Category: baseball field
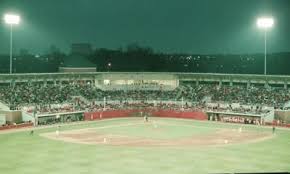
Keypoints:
pixel 130 145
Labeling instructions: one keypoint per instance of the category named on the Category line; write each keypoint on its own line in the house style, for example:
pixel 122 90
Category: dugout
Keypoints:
pixel 235 117
pixel 59 118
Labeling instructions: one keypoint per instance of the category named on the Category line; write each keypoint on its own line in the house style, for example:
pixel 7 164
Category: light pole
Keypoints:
pixel 265 23
pixel 11 19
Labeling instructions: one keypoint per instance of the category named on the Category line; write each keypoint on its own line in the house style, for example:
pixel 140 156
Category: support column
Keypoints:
pixel 266 85
pixel 248 84
pixel 220 83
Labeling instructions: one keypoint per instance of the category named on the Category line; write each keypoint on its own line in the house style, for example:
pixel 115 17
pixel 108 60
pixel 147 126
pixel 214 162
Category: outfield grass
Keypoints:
pixel 21 153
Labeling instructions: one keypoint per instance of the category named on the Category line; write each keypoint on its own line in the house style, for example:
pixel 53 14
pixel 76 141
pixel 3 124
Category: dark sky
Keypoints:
pixel 188 26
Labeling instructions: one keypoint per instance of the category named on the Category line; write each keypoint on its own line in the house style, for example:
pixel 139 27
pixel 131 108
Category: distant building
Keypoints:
pixel 78 60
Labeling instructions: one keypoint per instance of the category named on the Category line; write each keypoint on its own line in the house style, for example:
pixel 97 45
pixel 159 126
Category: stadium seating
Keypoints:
pixel 70 97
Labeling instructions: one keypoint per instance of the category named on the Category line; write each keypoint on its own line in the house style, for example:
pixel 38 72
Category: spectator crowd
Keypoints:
pixel 52 98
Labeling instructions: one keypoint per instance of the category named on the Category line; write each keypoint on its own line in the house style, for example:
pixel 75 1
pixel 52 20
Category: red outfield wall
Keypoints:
pixel 197 115
pixel 107 114
pixel 160 113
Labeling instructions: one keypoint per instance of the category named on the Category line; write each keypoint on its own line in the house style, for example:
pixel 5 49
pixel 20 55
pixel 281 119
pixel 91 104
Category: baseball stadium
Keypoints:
pixel 140 87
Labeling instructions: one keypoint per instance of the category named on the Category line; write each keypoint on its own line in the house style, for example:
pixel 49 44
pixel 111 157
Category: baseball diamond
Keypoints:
pixel 107 145
pixel 164 134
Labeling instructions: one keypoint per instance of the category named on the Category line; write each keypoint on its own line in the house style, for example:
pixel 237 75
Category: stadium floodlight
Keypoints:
pixel 265 23
pixel 11 19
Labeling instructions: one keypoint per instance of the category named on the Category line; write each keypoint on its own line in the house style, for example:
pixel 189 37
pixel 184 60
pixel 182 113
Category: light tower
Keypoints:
pixel 265 23
pixel 11 19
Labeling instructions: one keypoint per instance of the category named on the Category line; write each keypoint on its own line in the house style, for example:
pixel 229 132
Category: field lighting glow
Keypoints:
pixel 12 19
pixel 265 22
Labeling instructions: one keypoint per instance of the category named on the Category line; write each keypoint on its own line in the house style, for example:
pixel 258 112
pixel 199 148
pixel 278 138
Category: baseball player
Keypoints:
pixel 145 118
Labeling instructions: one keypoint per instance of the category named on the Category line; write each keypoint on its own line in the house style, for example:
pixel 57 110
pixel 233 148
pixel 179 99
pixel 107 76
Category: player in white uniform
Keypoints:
pixel 240 130
pixel 57 133
pixel 145 118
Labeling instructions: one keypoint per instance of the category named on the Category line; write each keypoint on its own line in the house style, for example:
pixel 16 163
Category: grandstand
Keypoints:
pixel 220 96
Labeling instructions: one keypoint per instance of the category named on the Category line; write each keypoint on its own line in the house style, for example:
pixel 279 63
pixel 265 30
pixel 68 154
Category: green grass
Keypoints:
pixel 21 153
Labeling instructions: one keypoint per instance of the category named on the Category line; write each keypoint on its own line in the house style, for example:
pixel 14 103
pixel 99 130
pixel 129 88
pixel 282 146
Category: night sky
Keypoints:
pixel 187 26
